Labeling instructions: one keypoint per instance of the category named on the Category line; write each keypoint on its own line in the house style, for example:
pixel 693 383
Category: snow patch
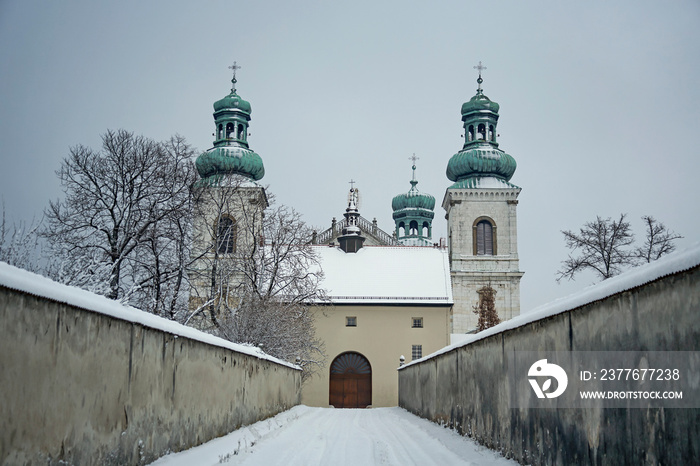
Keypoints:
pixel 386 274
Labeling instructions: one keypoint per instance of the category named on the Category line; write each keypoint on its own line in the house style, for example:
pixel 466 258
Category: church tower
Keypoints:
pixel 228 210
pixel 481 217
pixel 413 215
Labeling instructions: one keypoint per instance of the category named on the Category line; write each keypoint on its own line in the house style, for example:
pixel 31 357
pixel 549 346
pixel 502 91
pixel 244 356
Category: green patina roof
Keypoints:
pixel 481 160
pixel 479 103
pixel 413 199
pixel 230 160
pixel 230 154
pixel 232 102
pixel 480 156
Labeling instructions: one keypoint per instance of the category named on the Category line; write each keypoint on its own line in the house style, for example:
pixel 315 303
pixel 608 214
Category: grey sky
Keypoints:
pixel 599 101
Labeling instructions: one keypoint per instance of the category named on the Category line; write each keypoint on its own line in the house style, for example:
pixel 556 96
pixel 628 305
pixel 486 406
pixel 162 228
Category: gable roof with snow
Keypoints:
pixel 386 275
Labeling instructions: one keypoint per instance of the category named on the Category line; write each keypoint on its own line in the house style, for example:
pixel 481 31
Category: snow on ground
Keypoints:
pixel 307 436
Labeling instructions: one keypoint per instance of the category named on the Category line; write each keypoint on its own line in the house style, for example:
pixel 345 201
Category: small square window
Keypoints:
pixel 416 352
pixel 416 322
pixel 351 321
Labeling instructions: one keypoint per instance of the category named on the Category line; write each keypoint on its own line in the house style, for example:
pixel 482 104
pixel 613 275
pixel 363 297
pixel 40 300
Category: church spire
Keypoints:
pixel 231 154
pixel 351 238
pixel 480 156
pixel 413 214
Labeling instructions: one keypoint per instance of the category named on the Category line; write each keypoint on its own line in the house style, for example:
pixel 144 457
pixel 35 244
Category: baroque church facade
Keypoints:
pixel 391 296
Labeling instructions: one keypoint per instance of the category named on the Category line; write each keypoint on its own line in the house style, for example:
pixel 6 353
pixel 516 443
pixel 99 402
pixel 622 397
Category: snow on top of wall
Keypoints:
pixel 386 274
pixel 37 285
pixel 668 265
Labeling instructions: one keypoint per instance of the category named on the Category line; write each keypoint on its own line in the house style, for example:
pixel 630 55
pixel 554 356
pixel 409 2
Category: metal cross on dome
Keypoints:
pixel 234 67
pixel 479 67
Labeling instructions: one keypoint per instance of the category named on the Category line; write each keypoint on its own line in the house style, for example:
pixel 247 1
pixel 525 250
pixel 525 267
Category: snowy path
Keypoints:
pixel 325 436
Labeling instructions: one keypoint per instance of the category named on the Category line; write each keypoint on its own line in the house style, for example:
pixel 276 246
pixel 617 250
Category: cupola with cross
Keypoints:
pixel 413 214
pixel 231 153
pixel 481 217
pixel 480 156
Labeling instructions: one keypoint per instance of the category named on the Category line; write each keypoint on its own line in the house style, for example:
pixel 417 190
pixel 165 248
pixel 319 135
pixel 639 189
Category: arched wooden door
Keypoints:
pixel 351 381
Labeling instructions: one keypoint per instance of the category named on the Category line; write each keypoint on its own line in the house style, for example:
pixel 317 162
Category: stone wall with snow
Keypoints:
pixel 84 380
pixel 651 308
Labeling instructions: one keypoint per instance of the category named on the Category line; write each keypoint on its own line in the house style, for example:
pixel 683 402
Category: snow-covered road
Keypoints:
pixel 324 436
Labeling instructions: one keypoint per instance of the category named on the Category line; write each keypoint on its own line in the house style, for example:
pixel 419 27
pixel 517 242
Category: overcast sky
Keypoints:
pixel 599 101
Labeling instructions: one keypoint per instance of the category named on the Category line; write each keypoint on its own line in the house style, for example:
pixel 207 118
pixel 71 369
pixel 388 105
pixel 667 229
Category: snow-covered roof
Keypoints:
pixel 386 274
pixel 668 265
pixel 37 285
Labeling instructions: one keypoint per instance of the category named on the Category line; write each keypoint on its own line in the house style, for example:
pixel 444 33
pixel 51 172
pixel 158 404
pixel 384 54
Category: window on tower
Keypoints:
pixel 484 244
pixel 241 132
pixel 226 236
pixel 229 130
pixel 482 132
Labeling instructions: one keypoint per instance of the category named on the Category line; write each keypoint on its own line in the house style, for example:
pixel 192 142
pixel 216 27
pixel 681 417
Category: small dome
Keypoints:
pixel 232 102
pixel 479 103
pixel 229 160
pixel 413 200
pixel 481 160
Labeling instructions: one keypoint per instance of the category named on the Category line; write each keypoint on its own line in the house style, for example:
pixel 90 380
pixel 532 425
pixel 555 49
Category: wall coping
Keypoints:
pixel 670 264
pixel 37 285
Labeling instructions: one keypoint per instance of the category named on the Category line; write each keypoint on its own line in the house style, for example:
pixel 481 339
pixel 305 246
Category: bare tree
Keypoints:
pixel 486 309
pixel 603 249
pixel 254 273
pixel 19 244
pixel 658 240
pixel 118 214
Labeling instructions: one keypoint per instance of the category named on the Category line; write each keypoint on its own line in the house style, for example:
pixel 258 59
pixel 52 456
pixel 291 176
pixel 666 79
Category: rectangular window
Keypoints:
pixel 417 322
pixel 351 321
pixel 416 352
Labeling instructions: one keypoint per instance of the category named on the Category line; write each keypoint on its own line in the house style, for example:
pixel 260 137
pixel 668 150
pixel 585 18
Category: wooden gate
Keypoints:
pixel 351 381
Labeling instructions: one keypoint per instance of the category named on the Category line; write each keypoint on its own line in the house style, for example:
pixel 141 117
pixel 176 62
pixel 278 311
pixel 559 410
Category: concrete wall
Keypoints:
pixel 382 335
pixel 79 387
pixel 467 387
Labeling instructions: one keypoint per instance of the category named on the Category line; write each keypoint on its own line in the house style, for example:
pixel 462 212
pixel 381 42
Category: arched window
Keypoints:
pixel 482 132
pixel 241 133
pixel 229 130
pixel 425 231
pixel 484 244
pixel 220 131
pixel 226 236
pixel 492 136
pixel 401 230
pixel 413 227
pixel 470 134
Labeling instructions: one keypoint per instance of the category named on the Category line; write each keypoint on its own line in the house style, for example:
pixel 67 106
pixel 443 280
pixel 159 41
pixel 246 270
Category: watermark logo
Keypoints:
pixel 542 368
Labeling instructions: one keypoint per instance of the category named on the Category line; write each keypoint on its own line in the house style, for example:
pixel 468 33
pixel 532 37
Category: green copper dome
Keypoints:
pixel 413 199
pixel 479 103
pixel 232 102
pixel 480 156
pixel 482 160
pixel 413 215
pixel 230 154
pixel 220 161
